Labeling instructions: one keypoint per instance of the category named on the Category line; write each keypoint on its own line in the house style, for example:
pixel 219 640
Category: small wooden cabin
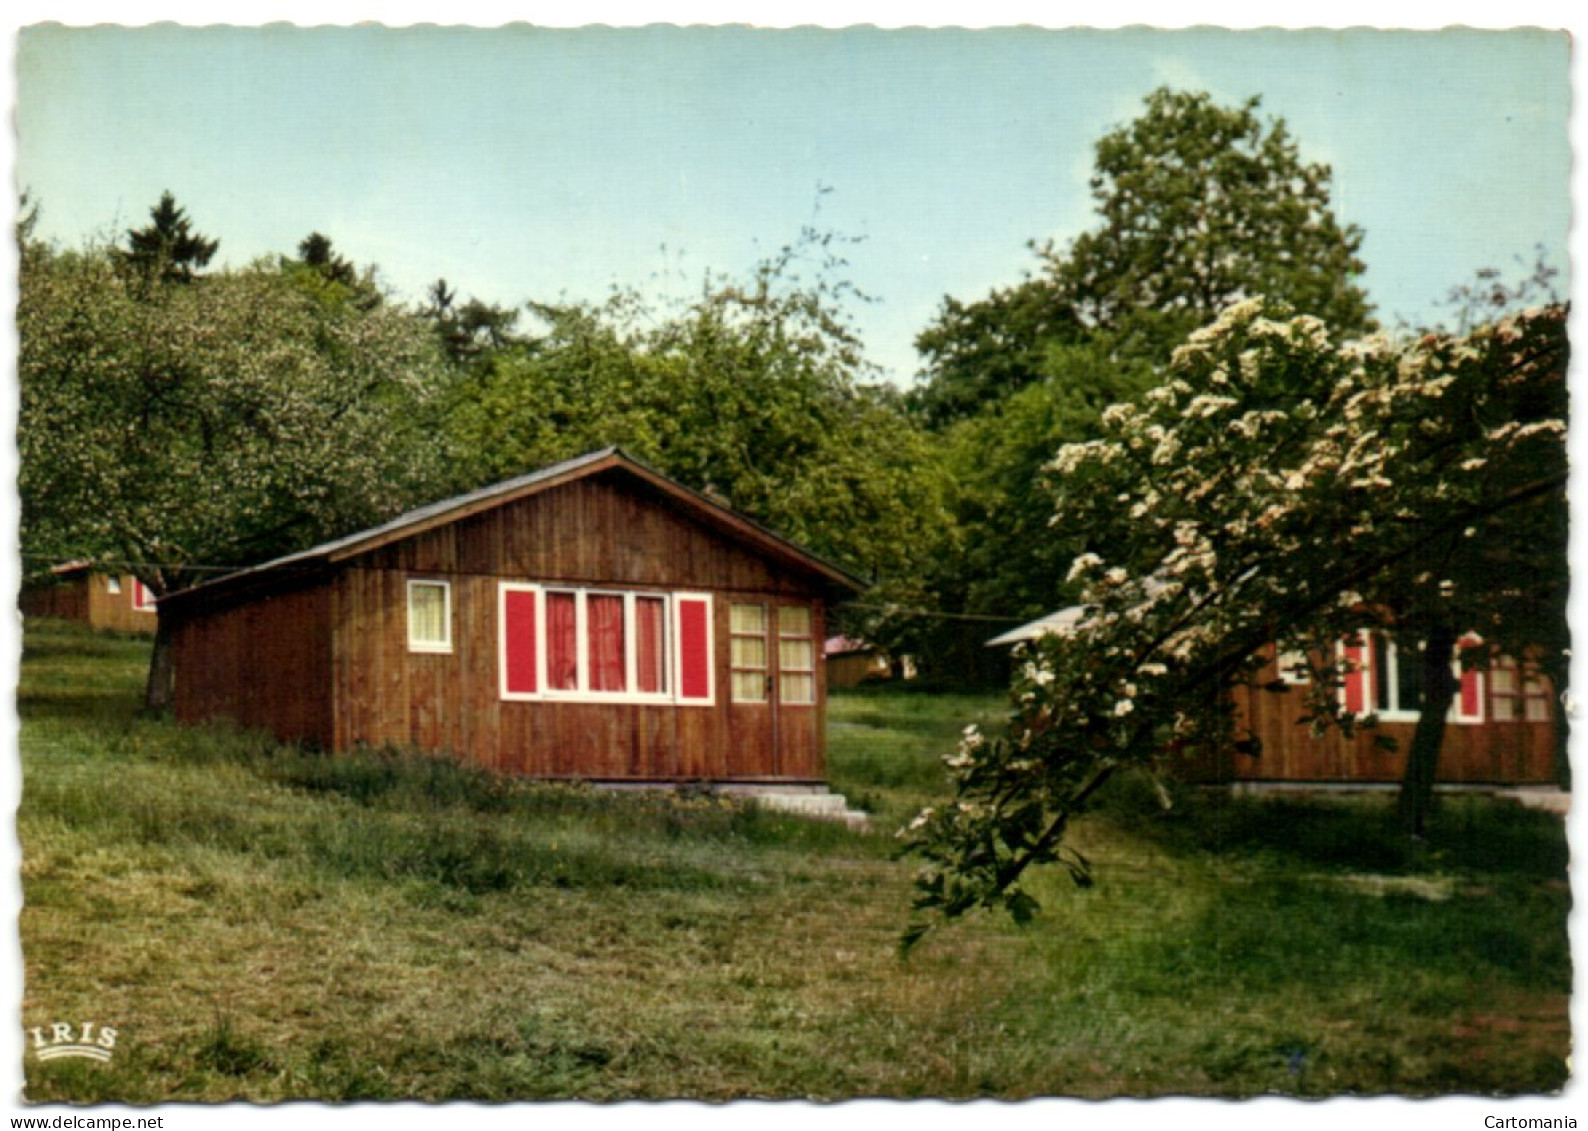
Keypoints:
pixel 851 662
pixel 1503 729
pixel 593 620
pixel 76 591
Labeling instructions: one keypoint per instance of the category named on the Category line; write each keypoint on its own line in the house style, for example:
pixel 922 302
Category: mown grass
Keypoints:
pixel 263 922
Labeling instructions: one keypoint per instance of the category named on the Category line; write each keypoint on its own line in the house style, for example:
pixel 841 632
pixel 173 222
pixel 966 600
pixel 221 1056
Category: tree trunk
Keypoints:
pixel 158 692
pixel 1422 763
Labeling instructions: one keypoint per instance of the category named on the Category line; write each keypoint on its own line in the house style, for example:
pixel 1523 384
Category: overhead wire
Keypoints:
pixel 197 567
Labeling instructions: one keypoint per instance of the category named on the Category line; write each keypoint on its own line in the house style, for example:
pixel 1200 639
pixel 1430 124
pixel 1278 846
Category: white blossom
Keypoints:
pixel 1083 564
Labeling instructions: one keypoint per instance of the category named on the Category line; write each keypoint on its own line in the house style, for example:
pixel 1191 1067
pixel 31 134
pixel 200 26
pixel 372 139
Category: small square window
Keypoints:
pixel 429 616
pixel 112 584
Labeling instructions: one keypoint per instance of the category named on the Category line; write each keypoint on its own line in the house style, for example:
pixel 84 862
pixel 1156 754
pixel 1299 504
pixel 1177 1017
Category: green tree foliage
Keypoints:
pixel 316 251
pixel 1200 206
pixel 1276 485
pixel 321 271
pixel 980 352
pixel 472 331
pixel 1014 560
pixel 181 427
pixel 1203 206
pixel 753 392
pixel 168 250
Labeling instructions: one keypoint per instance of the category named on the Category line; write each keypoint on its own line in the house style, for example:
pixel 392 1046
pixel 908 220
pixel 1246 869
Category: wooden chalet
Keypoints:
pixel 77 591
pixel 592 620
pixel 1503 729
pixel 852 662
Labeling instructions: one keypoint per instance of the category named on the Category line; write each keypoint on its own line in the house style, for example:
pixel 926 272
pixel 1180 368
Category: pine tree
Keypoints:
pixel 168 250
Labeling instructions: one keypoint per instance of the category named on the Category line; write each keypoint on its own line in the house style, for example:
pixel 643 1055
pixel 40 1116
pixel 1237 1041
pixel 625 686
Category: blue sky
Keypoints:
pixel 525 163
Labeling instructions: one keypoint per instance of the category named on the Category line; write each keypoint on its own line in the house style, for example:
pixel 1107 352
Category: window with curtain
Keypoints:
pixel 796 655
pixel 605 636
pixel 650 645
pixel 429 616
pixel 562 640
pixel 747 652
pixel 603 645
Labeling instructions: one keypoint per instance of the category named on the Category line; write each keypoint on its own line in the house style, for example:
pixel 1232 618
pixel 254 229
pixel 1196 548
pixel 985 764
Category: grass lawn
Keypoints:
pixel 259 922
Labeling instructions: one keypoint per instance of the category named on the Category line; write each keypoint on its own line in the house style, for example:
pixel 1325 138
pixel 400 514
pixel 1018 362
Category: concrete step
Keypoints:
pixel 824 806
pixel 802 799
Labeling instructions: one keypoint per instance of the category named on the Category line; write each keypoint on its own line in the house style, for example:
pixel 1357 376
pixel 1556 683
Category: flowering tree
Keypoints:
pixel 1199 205
pixel 1277 487
pixel 168 428
pixel 1203 205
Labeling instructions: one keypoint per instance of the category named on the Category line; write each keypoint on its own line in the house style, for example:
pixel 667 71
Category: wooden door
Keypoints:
pixel 772 690
pixel 752 696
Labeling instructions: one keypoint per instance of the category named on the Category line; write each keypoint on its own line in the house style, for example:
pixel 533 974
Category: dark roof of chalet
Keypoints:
pixel 416 521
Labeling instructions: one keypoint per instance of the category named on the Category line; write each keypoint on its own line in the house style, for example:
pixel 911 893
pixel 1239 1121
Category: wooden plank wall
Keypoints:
pixel 265 663
pixel 851 669
pixel 67 600
pixel 114 610
pixel 599 531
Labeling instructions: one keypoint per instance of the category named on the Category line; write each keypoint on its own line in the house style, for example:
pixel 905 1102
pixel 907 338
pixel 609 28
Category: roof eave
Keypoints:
pixel 839 582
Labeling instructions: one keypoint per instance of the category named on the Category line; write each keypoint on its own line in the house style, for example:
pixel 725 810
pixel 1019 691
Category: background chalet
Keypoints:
pixel 75 591
pixel 592 620
pixel 1503 728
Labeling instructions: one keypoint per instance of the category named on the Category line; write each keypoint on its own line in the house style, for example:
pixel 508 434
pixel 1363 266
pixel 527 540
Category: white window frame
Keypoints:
pixel 113 584
pixel 1394 713
pixel 442 647
pixel 140 589
pixel 582 693
pixel 1389 682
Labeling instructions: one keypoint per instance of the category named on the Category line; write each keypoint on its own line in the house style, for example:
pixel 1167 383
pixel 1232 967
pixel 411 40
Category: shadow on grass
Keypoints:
pixel 1468 835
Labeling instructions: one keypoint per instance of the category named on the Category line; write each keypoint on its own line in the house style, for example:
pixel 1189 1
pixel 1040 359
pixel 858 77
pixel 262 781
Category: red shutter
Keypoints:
pixel 1471 695
pixel 518 642
pixel 1471 683
pixel 693 611
pixel 1358 682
